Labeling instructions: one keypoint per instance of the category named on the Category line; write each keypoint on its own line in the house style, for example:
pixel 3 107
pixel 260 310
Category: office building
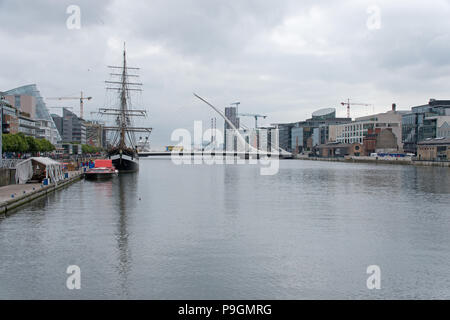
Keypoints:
pixel 425 122
pixel 230 141
pixel 71 128
pixel 304 135
pixel 356 131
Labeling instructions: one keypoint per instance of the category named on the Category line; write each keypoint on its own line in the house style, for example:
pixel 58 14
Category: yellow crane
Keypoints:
pixel 81 98
pixel 348 104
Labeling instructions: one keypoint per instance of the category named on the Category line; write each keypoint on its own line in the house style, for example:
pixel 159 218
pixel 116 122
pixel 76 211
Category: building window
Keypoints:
pixel 17 101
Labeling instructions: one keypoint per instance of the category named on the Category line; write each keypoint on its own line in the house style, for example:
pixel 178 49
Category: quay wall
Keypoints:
pixel 18 201
pixel 378 160
pixel 7 176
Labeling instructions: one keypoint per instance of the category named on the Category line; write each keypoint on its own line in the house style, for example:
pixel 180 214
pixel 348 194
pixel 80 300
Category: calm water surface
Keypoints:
pixel 226 232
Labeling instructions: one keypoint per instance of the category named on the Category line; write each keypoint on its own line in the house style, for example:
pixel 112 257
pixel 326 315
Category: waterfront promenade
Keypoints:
pixel 378 160
pixel 15 195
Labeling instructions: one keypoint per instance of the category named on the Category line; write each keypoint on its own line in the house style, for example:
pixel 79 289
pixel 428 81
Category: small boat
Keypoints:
pixel 103 169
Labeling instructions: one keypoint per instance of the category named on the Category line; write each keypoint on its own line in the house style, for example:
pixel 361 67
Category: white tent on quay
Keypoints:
pixel 27 168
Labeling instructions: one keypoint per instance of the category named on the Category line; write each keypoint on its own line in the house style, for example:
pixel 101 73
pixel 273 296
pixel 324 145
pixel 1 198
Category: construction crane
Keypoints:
pixel 236 104
pixel 81 98
pixel 256 116
pixel 348 104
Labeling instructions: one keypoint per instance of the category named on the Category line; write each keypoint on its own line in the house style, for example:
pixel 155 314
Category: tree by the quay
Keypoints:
pixel 88 149
pixel 18 142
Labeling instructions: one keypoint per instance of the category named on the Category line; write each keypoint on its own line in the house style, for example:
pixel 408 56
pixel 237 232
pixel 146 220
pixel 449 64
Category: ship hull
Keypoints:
pixel 125 163
pixel 98 176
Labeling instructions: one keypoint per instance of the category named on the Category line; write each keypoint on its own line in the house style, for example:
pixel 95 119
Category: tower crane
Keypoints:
pixel 256 116
pixel 348 104
pixel 81 98
pixel 236 104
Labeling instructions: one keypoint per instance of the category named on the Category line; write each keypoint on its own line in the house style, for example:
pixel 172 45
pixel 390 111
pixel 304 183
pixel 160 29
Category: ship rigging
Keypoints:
pixel 123 150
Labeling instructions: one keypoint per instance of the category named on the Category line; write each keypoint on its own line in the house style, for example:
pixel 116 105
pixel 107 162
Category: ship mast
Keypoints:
pixel 123 122
pixel 123 101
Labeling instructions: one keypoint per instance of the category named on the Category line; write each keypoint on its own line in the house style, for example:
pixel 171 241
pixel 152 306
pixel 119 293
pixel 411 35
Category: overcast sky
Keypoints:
pixel 284 59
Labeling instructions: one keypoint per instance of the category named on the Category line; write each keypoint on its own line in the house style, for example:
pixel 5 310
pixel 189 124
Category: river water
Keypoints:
pixel 227 232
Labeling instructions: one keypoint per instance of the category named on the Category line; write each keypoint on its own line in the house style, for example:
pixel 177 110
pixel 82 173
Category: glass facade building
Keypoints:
pixel 284 136
pixel 314 130
pixel 421 123
pixel 297 139
pixel 231 114
pixel 41 108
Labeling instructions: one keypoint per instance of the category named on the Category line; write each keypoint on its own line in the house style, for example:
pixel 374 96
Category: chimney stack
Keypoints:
pixel 394 107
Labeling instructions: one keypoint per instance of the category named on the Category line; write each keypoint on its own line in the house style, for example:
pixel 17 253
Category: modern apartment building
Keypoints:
pixel 426 122
pixel 10 122
pixel 45 130
pixel 15 121
pixel 32 108
pixel 27 125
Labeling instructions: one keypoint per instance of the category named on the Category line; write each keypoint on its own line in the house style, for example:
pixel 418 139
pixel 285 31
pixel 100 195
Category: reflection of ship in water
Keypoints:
pixel 124 147
pixel 124 206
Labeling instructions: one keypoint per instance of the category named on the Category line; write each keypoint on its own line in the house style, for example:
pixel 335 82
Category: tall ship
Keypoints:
pixel 123 149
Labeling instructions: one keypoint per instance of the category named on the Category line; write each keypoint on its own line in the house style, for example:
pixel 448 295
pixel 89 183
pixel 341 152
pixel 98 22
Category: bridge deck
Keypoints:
pixel 214 153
